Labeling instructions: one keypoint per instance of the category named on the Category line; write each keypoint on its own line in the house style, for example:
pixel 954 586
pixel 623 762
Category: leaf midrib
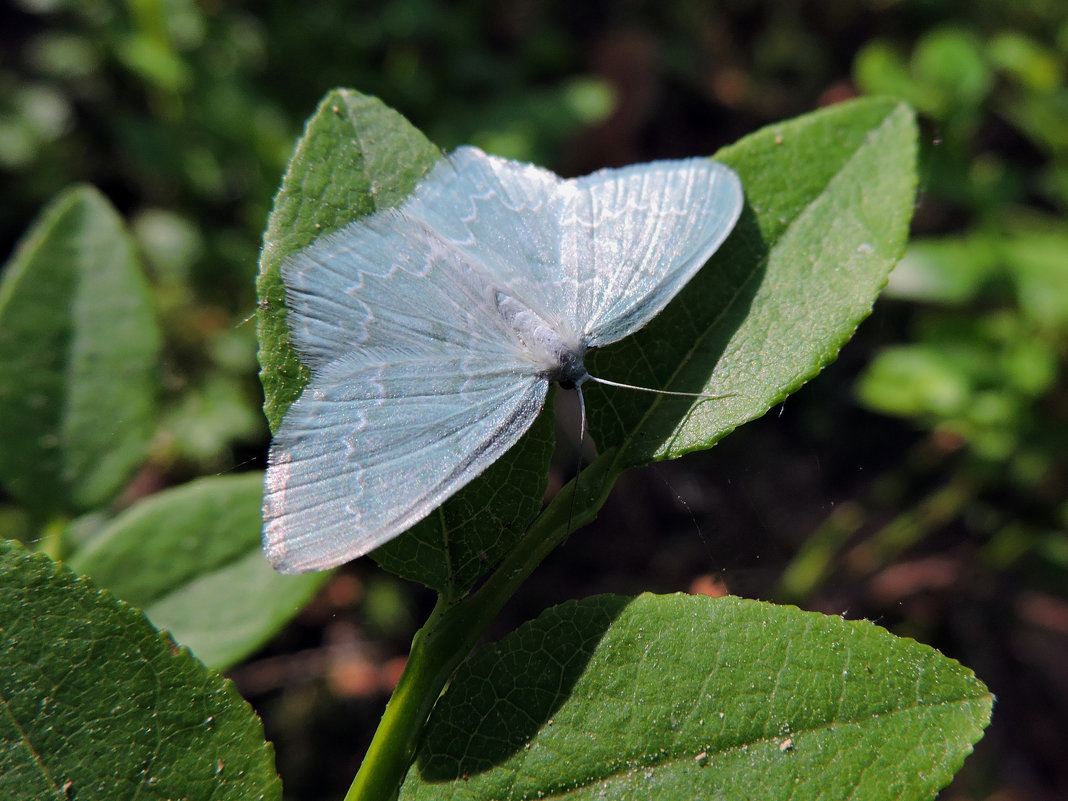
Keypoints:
pixel 662 757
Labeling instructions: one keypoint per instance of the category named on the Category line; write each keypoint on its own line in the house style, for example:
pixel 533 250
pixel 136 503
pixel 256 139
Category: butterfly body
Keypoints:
pixel 554 353
pixel 433 331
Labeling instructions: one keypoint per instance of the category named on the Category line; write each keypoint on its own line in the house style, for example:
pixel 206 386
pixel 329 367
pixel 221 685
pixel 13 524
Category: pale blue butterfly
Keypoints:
pixel 432 331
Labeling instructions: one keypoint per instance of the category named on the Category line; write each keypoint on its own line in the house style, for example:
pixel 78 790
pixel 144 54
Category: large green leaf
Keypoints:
pixel 684 697
pixel 79 346
pixel 829 197
pixel 190 558
pixel 98 704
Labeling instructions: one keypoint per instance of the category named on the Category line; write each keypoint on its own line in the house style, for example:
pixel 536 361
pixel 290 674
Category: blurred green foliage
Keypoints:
pixel 983 293
pixel 985 365
pixel 154 104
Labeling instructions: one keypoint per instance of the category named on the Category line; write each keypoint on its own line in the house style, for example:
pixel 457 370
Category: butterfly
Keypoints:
pixel 434 329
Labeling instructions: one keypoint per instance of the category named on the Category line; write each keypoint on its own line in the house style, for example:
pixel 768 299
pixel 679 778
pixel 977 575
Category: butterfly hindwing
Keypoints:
pixel 389 281
pixel 377 441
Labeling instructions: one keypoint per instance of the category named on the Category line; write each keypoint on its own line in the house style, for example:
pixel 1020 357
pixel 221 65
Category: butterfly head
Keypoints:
pixel 570 371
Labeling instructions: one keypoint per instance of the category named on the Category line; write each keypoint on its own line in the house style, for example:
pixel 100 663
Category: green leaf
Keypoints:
pixel 1036 262
pixel 829 198
pixel 79 346
pixel 1029 61
pixel 356 157
pixel 687 697
pixel 190 558
pixel 880 70
pixel 98 704
pixel 952 59
pixel 915 381
pixel 945 270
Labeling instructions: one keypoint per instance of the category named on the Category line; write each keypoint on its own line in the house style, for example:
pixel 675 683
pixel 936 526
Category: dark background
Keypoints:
pixel 918 482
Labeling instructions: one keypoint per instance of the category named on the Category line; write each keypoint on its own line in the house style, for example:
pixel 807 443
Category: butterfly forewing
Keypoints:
pixel 634 237
pixel 498 213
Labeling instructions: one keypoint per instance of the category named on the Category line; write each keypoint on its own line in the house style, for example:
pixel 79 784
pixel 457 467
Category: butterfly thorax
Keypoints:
pixel 554 350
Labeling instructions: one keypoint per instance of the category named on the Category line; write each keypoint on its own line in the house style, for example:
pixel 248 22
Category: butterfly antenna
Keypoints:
pixel 582 415
pixel 608 383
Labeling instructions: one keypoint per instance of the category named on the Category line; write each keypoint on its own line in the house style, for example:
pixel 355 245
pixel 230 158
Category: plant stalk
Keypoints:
pixel 454 628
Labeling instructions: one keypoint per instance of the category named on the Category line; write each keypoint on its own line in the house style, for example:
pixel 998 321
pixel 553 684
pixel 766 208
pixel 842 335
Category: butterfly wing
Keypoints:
pixel 380 439
pixel 499 212
pixel 632 238
pixel 419 383
pixel 421 273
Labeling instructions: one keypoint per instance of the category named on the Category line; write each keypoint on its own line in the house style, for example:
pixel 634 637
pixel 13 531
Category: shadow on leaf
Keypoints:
pixel 501 698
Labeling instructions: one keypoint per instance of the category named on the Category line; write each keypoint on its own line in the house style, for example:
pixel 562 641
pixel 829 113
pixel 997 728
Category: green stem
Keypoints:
pixel 393 746
pixel 453 630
